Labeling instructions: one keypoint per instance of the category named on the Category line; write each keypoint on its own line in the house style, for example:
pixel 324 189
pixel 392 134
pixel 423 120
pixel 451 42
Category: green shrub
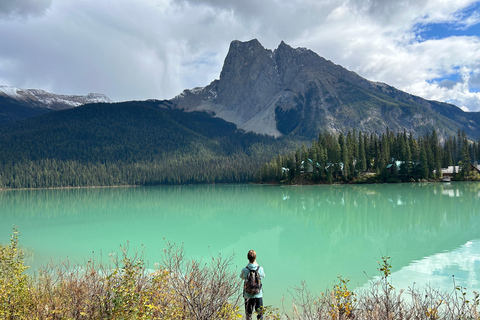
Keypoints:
pixel 14 283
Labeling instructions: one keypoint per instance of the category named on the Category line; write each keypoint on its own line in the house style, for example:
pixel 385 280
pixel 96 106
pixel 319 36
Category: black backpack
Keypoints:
pixel 253 283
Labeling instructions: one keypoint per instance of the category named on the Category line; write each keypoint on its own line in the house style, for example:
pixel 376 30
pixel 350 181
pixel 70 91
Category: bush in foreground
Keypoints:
pixel 382 302
pixel 190 289
pixel 122 289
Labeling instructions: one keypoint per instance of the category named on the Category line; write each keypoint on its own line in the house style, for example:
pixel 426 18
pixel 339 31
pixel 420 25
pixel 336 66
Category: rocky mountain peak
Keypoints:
pixel 252 69
pixel 246 48
pixel 283 49
pixel 244 59
pixel 295 91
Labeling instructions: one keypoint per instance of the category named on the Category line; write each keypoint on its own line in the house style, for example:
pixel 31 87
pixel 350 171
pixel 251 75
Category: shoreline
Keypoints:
pixel 80 187
pixel 307 183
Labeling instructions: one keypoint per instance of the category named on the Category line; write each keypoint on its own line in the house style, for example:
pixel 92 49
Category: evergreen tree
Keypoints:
pixel 362 159
pixel 465 155
pixel 423 164
pixel 345 156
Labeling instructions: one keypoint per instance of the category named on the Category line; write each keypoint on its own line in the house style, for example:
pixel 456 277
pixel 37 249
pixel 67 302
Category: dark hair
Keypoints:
pixel 252 255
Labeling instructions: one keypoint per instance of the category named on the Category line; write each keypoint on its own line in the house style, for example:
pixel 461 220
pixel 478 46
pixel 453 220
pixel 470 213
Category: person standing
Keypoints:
pixel 253 296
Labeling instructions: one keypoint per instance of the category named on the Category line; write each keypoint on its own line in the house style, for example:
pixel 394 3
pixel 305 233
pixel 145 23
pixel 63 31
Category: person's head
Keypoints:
pixel 252 256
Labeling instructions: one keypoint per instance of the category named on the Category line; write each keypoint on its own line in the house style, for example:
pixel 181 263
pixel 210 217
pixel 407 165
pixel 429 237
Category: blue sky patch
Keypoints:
pixel 453 29
pixel 448 80
pixel 445 30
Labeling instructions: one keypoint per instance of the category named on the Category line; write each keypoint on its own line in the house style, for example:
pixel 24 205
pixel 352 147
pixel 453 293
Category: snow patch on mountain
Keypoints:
pixel 50 99
pixel 9 91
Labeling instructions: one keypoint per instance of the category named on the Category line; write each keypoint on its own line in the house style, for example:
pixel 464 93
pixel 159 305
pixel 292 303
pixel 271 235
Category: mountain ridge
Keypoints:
pixel 295 91
pixel 19 104
pixel 281 92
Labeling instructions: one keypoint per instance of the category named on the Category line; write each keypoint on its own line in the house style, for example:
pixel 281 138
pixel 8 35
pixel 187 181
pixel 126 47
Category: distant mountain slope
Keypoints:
pixel 138 142
pixel 295 91
pixel 128 131
pixel 17 104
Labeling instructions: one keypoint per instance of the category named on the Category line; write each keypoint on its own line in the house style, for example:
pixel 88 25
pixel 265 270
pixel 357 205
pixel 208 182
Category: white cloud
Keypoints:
pixel 156 48
pixel 393 53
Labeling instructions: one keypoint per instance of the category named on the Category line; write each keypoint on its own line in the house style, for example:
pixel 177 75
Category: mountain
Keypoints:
pixel 296 92
pixel 129 143
pixel 17 104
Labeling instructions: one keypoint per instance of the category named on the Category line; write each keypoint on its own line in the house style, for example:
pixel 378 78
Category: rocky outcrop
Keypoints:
pixel 243 94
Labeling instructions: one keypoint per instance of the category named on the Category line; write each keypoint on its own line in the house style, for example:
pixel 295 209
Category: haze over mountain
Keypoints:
pixel 295 91
pixel 17 104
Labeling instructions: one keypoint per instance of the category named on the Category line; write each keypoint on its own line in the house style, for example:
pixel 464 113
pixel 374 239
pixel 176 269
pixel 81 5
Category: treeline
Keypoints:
pixel 203 166
pixel 50 173
pixel 391 157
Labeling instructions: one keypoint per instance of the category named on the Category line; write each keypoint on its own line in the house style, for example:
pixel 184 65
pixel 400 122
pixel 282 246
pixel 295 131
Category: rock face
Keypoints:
pixel 17 104
pixel 295 91
pixel 248 82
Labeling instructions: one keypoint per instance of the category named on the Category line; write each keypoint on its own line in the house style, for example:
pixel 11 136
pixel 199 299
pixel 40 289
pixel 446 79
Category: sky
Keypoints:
pixel 154 49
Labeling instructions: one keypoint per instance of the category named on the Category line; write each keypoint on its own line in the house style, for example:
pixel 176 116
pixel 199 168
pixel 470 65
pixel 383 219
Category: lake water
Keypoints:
pixel 311 233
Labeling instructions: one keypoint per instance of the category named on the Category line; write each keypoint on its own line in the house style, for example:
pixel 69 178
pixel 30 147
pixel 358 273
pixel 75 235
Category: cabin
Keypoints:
pixel 395 164
pixel 450 171
pixel 330 166
pixel 309 166
pixel 475 168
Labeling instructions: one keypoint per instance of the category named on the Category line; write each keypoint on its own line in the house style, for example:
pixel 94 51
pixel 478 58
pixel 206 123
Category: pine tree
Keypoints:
pixel 362 160
pixel 423 164
pixel 345 156
pixel 465 170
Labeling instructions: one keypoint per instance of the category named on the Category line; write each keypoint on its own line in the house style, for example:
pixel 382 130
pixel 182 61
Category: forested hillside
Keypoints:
pixel 21 110
pixel 129 143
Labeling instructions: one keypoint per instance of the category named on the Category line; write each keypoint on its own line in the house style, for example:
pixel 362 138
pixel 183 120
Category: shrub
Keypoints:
pixel 121 289
pixel 189 289
pixel 14 283
pixel 207 290
pixel 380 301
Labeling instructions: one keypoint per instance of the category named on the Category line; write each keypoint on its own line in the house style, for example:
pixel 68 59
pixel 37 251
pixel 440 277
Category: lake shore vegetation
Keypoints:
pixel 180 288
pixel 362 158
pixel 123 288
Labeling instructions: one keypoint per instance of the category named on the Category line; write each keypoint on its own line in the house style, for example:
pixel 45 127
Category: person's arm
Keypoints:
pixel 242 274
pixel 262 273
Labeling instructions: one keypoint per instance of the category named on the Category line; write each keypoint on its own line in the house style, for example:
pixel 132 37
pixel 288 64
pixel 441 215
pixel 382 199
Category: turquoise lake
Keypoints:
pixel 311 233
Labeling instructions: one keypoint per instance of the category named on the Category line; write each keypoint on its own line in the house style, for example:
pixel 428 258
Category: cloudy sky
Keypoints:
pixel 142 49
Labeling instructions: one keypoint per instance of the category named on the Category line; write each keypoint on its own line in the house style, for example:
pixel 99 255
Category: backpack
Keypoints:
pixel 253 283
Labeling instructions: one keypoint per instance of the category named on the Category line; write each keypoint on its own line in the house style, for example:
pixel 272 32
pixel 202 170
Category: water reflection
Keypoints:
pixel 443 271
pixel 321 230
